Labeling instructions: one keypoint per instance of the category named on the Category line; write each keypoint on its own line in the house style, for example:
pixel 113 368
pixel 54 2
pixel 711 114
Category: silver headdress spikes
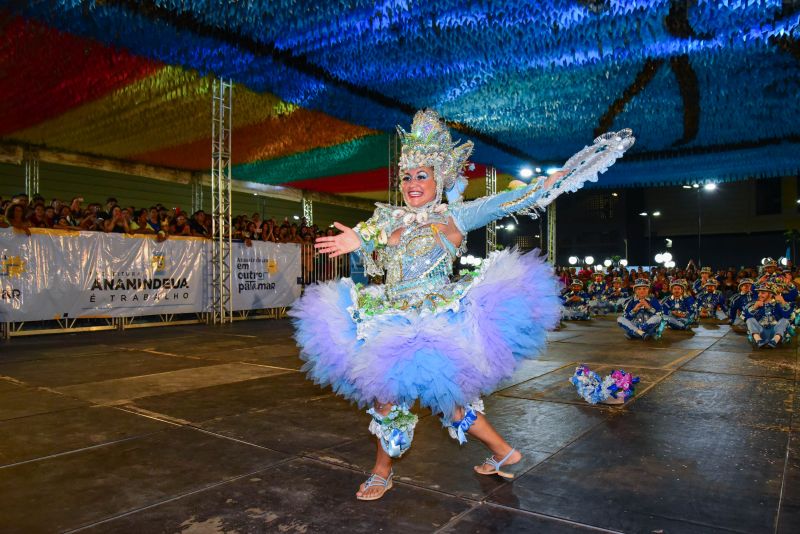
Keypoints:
pixel 429 144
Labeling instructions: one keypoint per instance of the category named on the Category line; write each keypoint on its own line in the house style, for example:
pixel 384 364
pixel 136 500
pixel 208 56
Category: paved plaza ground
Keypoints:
pixel 199 429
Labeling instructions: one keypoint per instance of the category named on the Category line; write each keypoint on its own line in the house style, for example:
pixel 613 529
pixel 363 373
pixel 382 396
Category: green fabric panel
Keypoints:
pixel 361 155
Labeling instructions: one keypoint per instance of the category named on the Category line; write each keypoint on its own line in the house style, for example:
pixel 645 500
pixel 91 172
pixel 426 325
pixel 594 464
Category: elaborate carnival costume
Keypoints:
pixel 597 294
pixel 739 302
pixel 576 303
pixel 420 336
pixel 616 295
pixel 699 285
pixel 679 312
pixel 769 271
pixel 788 300
pixel 641 320
pixel 711 302
pixel 767 320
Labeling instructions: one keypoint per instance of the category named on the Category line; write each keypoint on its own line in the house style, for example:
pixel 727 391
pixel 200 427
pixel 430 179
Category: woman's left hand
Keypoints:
pixel 347 241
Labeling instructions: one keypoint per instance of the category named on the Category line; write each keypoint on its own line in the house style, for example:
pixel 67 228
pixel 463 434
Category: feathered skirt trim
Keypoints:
pixel 444 359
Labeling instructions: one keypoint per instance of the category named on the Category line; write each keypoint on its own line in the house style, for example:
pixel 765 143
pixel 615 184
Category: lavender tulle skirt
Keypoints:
pixel 445 358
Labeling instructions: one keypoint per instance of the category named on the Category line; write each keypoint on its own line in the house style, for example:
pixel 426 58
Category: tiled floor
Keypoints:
pixel 201 429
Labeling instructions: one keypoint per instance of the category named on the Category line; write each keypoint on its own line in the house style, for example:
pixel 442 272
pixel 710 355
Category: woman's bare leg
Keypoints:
pixel 383 462
pixel 484 431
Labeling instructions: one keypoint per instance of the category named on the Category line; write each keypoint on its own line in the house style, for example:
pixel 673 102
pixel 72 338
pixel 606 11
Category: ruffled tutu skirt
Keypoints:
pixel 443 357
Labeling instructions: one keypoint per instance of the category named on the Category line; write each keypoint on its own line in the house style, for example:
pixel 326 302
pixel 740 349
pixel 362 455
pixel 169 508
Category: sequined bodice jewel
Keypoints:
pixel 418 266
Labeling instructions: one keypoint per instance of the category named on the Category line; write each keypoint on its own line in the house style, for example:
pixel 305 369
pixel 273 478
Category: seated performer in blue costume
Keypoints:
pixel 769 272
pixel 700 284
pixel 767 319
pixel 739 302
pixel 597 294
pixel 679 309
pixel 786 296
pixel 576 303
pixel 421 337
pixel 616 295
pixel 788 290
pixel 711 302
pixel 641 318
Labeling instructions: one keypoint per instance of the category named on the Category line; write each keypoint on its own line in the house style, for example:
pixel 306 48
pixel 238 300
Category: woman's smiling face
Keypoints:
pixel 418 186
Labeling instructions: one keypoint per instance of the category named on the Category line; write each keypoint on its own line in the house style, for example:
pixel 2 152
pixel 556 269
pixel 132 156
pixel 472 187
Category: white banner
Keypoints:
pixel 54 275
pixel 265 275
pixel 58 275
pixel 139 276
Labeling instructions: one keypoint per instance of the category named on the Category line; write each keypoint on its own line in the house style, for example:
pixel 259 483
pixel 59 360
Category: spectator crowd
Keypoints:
pixel 23 213
pixel 760 301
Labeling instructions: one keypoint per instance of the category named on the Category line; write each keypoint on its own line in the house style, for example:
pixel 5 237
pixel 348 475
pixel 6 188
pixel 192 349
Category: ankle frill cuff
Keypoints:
pixel 395 430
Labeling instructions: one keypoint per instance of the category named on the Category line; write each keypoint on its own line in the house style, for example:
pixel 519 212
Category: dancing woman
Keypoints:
pixel 420 336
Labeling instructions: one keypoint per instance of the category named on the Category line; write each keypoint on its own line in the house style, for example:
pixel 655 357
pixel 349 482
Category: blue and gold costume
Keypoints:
pixel 740 301
pixel 642 317
pixel 597 291
pixel 711 303
pixel 576 303
pixel 769 273
pixel 679 312
pixel 766 318
pixel 699 285
pixel 616 295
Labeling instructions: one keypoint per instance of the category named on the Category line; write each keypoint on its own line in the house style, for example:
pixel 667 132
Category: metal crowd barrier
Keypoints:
pixel 319 268
pixel 316 269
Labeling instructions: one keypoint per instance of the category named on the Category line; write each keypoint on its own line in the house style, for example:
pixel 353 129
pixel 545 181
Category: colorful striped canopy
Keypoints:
pixel 709 88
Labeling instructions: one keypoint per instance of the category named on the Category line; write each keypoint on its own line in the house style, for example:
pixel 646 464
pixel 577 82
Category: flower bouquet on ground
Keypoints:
pixel 615 388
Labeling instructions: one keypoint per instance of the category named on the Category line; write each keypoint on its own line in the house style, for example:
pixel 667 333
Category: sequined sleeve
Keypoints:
pixel 372 234
pixel 477 213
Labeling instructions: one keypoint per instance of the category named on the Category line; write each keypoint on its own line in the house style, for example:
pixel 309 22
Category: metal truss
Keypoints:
pixel 197 192
pixel 551 233
pixel 31 175
pixel 308 209
pixel 221 126
pixel 491 228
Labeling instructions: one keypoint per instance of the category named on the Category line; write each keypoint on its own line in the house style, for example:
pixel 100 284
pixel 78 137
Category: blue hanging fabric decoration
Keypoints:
pixel 502 86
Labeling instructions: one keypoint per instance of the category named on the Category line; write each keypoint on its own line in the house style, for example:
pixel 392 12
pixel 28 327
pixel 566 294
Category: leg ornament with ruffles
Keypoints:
pixel 458 429
pixel 395 430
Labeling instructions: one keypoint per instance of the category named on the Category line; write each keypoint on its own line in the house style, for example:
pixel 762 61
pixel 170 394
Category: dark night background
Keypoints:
pixel 741 222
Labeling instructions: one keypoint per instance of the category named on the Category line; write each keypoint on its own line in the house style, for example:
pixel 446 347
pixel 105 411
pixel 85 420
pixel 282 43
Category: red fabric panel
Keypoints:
pixel 54 72
pixel 360 182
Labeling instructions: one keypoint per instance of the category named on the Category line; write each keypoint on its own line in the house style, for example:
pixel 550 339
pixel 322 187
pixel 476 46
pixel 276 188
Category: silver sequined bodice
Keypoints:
pixel 418 268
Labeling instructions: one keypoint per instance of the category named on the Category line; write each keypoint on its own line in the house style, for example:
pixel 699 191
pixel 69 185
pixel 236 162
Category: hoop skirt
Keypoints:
pixel 445 355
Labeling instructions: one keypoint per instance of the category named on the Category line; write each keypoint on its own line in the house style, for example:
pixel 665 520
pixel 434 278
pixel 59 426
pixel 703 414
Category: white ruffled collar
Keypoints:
pixel 433 212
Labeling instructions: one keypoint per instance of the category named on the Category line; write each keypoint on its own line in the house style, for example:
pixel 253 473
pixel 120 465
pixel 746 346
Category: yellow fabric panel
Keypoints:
pixel 171 107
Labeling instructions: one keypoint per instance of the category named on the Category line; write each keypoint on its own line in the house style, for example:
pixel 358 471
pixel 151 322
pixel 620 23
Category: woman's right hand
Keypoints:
pixel 336 245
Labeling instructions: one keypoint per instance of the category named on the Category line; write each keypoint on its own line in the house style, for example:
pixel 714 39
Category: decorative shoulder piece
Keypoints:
pixel 615 388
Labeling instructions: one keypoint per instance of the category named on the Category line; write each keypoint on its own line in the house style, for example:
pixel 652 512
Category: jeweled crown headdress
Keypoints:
pixel 429 144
